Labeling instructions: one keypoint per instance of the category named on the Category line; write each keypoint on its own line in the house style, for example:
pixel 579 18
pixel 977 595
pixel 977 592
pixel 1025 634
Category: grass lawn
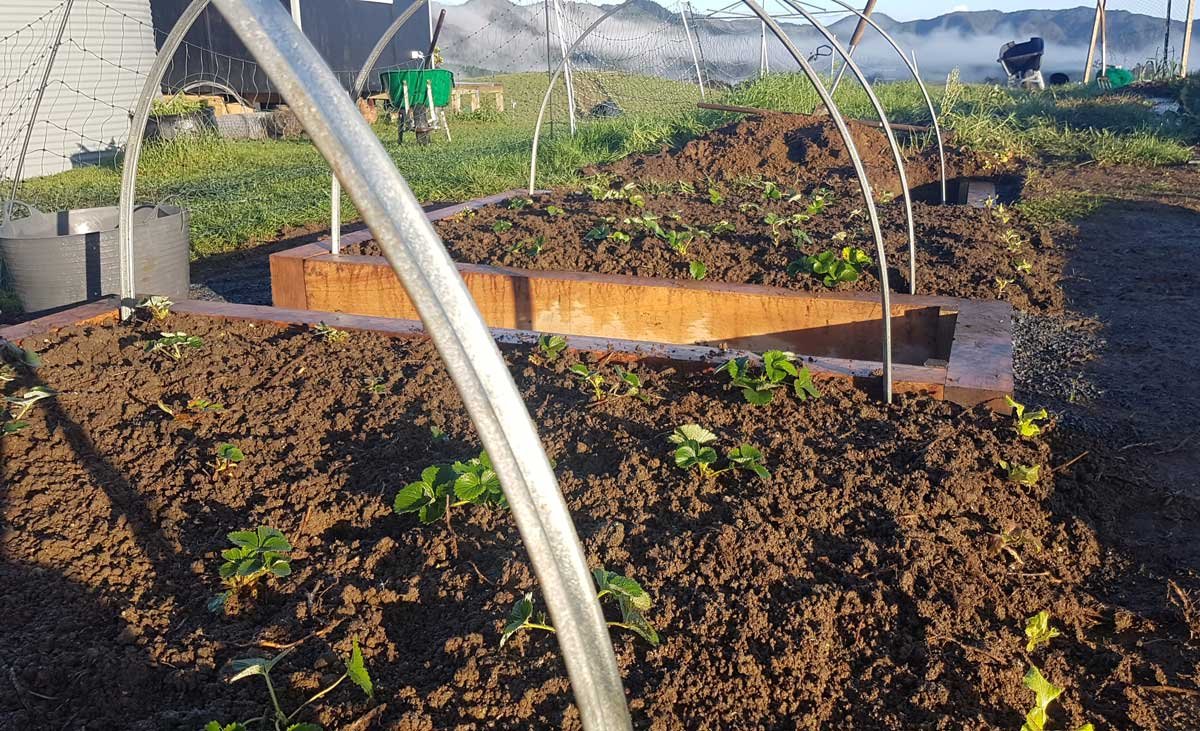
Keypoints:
pixel 242 193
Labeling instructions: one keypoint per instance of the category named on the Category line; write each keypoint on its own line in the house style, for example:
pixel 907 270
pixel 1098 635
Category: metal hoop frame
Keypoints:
pixel 434 285
pixel 843 131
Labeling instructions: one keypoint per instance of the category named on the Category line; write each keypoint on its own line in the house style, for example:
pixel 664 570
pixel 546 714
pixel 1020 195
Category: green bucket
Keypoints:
pixel 441 80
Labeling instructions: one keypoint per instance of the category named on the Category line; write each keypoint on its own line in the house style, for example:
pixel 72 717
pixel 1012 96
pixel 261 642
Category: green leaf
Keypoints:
pixel 804 386
pixel 249 567
pixel 686 457
pixel 412 497
pixel 692 432
pixel 357 670
pixel 469 487
pixel 281 568
pixel 1045 690
pixel 270 539
pixel 697 269
pixel 251 666
pixel 758 397
pixel 1039 631
pixel 517 617
pixel 778 365
pixel 432 512
pixel 215 726
pixel 636 622
pixel 622 587
pixel 217 603
pixel 244 538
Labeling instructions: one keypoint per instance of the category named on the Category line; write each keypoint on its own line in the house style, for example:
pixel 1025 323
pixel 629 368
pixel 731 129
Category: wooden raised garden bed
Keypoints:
pixel 953 349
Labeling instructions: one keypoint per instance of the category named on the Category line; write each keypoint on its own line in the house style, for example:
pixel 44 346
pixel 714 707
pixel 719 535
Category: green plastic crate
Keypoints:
pixel 441 80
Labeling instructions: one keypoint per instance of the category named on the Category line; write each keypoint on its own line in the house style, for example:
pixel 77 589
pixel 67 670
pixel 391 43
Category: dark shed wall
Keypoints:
pixel 343 31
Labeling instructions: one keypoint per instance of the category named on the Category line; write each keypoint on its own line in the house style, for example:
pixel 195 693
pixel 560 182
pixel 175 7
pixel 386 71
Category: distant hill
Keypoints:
pixel 646 37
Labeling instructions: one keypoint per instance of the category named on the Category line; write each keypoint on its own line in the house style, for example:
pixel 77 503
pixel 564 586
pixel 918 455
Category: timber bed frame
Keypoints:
pixel 953 349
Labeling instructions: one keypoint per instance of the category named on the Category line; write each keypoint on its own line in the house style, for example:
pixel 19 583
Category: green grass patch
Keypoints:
pixel 1062 206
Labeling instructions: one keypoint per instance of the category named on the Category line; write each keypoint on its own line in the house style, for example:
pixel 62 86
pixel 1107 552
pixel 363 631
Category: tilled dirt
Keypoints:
pixel 961 251
pixel 857 588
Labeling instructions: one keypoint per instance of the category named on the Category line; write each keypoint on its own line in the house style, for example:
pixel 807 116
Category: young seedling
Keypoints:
pixel 1012 241
pixel 331 335
pixel 777 369
pixel 516 204
pixel 1045 693
pixel 550 347
pixel 8 373
pixel 1024 266
pixel 715 197
pixel 679 241
pixel 1002 284
pixel 374 385
pixel 256 554
pixel 1008 540
pixel 631 599
pixel 599 232
pixel 1020 473
pixel 832 268
pixel 697 269
pixel 633 384
pixel 530 247
pixel 686 188
pixel 20 406
pixel 174 345
pixel 723 227
pixel 228 457
pixel 1038 631
pixel 693 450
pixel 356 671
pixel 554 211
pixel 438 434
pixel 749 207
pixel 443 487
pixel 592 378
pixel 158 307
pixel 771 191
pixel 12 427
pixel 1026 424
pixel 501 225
pixel 194 408
pixel 649 223
pixel 620 237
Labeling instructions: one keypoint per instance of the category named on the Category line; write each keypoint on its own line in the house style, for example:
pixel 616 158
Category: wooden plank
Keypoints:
pixel 646 309
pixel 287 276
pixel 980 370
pixel 98 311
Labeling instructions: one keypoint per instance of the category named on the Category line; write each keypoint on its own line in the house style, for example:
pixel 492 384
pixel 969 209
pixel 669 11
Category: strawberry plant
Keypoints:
pixel 256 554
pixel 331 335
pixel 647 222
pixel 679 241
pixel 531 246
pixel 550 347
pixel 832 268
pixel 723 227
pixel 356 672
pixel 777 369
pixel 694 450
pixel 20 406
pixel 697 269
pixel 174 345
pixel 634 386
pixel 1026 424
pixel 228 457
pixel 771 191
pixel 501 225
pixel 599 232
pixel 516 204
pixel 473 482
pixel 631 599
pixel 1038 631
pixel 1021 473
pixel 592 378
pixel 715 197
pixel 158 307
pixel 553 211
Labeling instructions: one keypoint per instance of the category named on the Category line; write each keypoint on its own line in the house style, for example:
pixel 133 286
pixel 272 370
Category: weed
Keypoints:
pixel 1021 473
pixel 749 207
pixel 374 385
pixel 255 555
pixel 20 406
pixel 1012 241
pixel 1026 424
pixel 331 335
pixel 686 188
pixel 501 225
pixel 356 671
pixel 158 307
pixel 778 367
pixel 473 482
pixel 228 457
pixel 771 191
pixel 631 599
pixel 1009 539
pixel 832 268
pixel 693 450
pixel 174 345
pixel 697 269
pixel 1038 631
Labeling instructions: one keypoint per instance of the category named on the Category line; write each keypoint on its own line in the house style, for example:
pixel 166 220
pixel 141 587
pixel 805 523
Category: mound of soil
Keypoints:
pixel 859 587
pixel 795 149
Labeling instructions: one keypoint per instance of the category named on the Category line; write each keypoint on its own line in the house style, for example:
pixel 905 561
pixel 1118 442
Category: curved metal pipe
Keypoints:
pixel 897 156
pixel 133 148
pixel 467 347
pixel 834 113
pixel 360 81
pixel 937 129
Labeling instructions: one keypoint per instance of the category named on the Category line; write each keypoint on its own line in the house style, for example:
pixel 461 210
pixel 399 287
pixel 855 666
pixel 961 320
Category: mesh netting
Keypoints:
pixel 1147 36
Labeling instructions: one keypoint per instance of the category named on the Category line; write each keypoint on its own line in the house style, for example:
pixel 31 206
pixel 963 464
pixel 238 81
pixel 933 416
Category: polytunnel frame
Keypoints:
pixel 843 131
pixel 449 314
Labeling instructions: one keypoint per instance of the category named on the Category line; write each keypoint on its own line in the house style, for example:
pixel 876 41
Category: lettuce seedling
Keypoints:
pixel 631 599
pixel 715 197
pixel 551 347
pixel 174 345
pixel 697 269
pixel 1045 693
pixel 1026 423
pixel 356 671
pixel 1021 473
pixel 1038 631
pixel 20 406
pixel 228 457
pixel 693 450
pixel 256 554
pixel 591 378
pixel 832 268
pixel 331 335
pixel 501 225
pixel 158 307
pixel 553 211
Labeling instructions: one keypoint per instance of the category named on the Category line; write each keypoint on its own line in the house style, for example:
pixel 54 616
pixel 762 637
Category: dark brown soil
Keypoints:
pixel 855 589
pixel 961 251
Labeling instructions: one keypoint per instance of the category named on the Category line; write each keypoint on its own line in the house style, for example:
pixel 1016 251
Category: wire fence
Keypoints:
pixel 1148 36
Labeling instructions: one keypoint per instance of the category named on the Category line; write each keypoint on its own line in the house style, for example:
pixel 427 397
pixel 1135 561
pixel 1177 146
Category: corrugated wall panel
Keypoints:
pixel 84 119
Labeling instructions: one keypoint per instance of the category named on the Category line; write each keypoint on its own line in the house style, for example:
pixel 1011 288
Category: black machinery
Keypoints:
pixel 1023 63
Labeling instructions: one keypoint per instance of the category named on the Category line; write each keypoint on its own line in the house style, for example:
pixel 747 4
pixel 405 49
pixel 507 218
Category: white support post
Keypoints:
pixel 1103 36
pixel 1091 55
pixel 763 68
pixel 568 78
pixel 1187 39
pixel 684 9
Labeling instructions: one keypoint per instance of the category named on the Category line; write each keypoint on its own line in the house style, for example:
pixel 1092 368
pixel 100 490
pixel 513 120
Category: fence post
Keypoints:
pixel 684 9
pixel 1187 39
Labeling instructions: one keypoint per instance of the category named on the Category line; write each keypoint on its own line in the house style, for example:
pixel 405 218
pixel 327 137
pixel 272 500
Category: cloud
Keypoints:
pixel 960 8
